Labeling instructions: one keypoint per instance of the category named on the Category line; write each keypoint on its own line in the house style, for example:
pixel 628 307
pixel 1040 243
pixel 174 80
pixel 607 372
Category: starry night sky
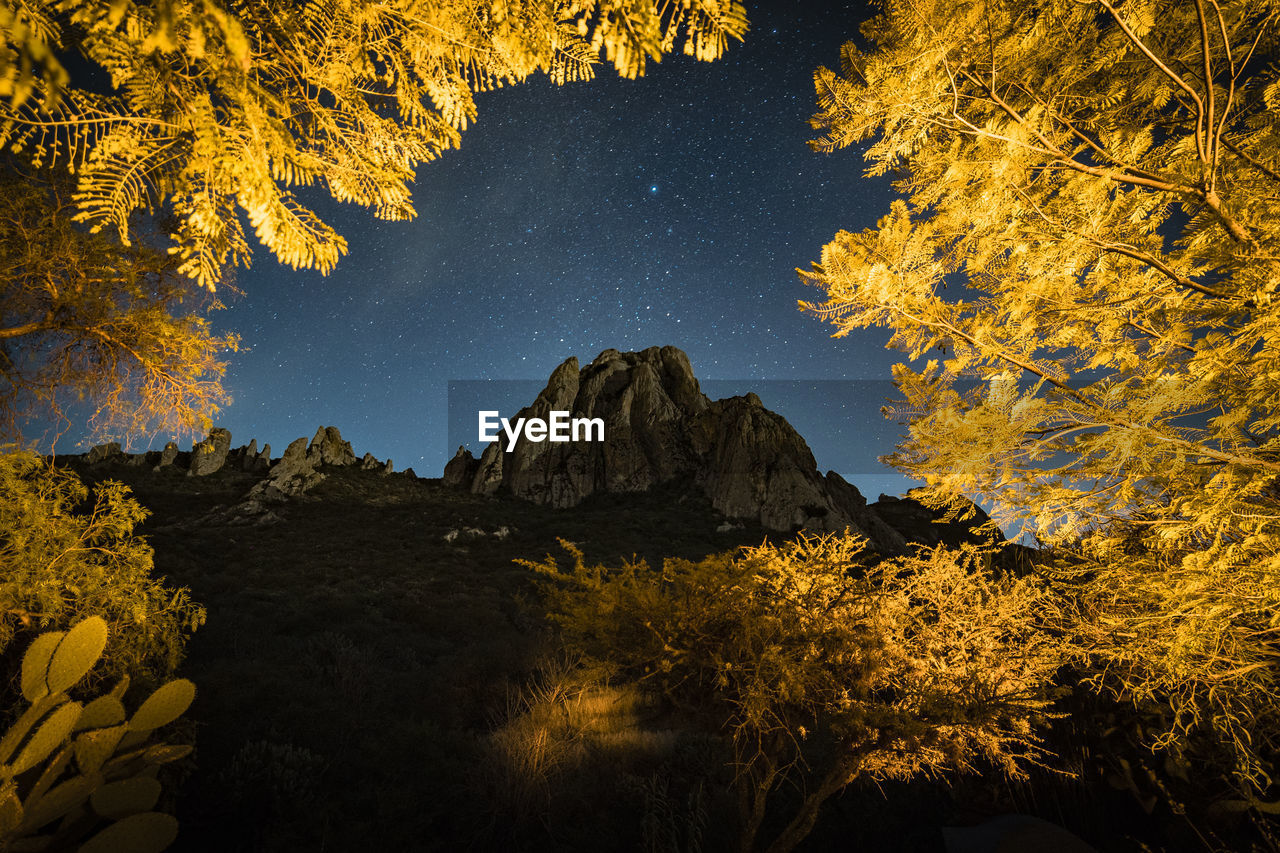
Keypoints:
pixel 672 209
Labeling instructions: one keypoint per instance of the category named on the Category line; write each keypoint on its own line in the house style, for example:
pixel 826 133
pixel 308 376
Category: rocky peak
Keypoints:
pixel 659 426
pixel 328 448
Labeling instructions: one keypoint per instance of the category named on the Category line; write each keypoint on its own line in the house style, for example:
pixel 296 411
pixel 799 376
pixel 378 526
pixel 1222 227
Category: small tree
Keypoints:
pixel 816 663
pixel 65 557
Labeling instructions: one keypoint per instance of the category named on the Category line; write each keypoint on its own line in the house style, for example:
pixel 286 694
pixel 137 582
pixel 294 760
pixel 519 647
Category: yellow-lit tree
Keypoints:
pixel 217 110
pixel 86 322
pixel 67 553
pixel 1083 267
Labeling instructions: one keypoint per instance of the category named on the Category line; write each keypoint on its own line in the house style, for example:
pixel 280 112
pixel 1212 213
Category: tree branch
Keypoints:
pixel 1250 159
pixel 1207 69
pixel 40 325
pixel 1168 72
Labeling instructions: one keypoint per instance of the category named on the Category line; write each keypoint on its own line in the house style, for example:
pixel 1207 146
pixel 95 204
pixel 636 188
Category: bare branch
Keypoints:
pixel 1208 125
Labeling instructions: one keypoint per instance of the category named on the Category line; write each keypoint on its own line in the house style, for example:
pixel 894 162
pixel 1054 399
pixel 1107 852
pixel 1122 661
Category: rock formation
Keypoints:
pixel 167 456
pixel 328 448
pixel 109 452
pixel 296 471
pixel 926 526
pixel 255 461
pixel 658 426
pixel 461 469
pixel 209 455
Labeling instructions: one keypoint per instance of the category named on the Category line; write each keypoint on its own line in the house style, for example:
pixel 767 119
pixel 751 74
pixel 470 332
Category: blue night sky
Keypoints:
pixel 672 209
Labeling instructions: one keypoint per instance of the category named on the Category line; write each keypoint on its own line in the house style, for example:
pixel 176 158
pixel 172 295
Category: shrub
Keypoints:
pixel 816 662
pixel 65 555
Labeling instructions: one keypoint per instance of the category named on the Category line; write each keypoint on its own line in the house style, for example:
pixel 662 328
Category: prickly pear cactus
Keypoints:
pixel 66 769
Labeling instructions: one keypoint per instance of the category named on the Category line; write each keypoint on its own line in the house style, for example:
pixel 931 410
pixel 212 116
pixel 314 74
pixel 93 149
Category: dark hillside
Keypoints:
pixel 354 658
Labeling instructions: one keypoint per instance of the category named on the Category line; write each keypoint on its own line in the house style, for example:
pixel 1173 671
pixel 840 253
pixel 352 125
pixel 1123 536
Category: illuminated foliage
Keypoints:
pixel 84 319
pixel 220 110
pixel 815 662
pixel 66 555
pixel 1087 254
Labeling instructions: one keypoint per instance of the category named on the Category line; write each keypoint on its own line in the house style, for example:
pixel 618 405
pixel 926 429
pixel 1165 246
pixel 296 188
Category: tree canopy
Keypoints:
pixel 185 124
pixel 1083 266
pixel 222 111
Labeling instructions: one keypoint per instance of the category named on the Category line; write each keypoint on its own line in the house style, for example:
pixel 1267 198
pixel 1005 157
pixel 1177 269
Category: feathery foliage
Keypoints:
pixel 219 111
pixel 65 556
pixel 817 664
pixel 1090 234
pixel 83 318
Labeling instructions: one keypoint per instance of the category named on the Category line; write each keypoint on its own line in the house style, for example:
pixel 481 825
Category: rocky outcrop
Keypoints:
pixel 328 448
pixel 254 460
pixel 847 497
pixel 757 466
pixel 168 455
pixel 291 476
pixel 296 471
pixel 461 469
pixel 658 426
pixel 109 452
pixel 209 455
pixel 645 401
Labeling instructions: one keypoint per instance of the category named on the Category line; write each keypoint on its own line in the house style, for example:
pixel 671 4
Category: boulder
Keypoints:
pixel 109 452
pixel 167 456
pixel 209 455
pixel 328 448
pixel 369 463
pixel 461 469
pixel 293 475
